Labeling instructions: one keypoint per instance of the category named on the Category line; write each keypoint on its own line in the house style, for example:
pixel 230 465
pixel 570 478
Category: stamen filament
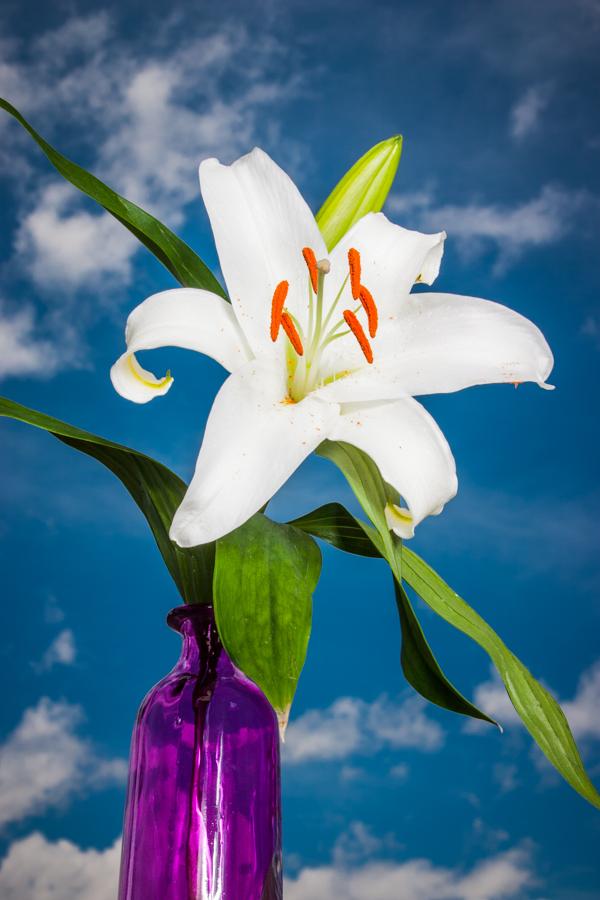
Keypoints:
pixel 311 308
pixel 366 298
pixel 322 268
pixel 288 326
pixel 339 324
pixel 354 264
pixel 311 261
pixel 277 304
pixel 335 303
pixel 357 329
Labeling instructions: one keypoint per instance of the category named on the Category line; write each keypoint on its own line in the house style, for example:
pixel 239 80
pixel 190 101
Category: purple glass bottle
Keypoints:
pixel 203 813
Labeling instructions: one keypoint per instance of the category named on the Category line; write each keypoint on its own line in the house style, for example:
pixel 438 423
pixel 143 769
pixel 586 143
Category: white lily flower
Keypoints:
pixel 320 346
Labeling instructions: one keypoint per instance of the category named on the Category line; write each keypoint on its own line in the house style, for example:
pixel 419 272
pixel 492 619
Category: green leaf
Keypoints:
pixel 156 490
pixel 173 253
pixel 265 575
pixel 539 711
pixel 362 190
pixel 370 490
pixel 334 524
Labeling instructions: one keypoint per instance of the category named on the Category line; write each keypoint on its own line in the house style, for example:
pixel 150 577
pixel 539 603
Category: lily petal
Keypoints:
pixel 255 439
pixel 439 343
pixel 260 224
pixel 185 317
pixel 392 259
pixel 411 453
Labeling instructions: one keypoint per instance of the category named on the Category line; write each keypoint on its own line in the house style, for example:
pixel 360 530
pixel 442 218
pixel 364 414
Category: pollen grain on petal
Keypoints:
pixel 311 263
pixel 354 264
pixel 277 303
pixel 370 307
pixel 287 323
pixel 357 330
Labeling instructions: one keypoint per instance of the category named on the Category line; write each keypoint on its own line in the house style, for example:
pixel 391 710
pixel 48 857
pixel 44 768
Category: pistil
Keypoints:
pixel 304 351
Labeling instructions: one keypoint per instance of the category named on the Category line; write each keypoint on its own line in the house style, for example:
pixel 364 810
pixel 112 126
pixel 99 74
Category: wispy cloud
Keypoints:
pixel 62 651
pixel 591 329
pixel 38 869
pixel 144 112
pixel 352 726
pixel 581 711
pixel 518 41
pixel 505 776
pixel 477 227
pixel 44 762
pixel 526 113
pixel 500 877
pixel 527 530
pixel 68 247
pixel 154 109
pixel 22 350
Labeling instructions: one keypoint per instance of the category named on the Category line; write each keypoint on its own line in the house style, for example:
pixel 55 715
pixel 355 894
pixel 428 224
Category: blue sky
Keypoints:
pixel 497 105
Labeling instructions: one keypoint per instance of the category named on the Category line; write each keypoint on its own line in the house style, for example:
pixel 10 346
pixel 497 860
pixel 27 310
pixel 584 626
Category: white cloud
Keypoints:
pixel 581 711
pixel 500 877
pixel 357 843
pixel 505 776
pixel 510 230
pixel 591 329
pixel 352 726
pixel 491 697
pixel 38 869
pixel 525 114
pixel 142 114
pixel 44 762
pixel 22 351
pixel 528 531
pixel 153 112
pixel 67 246
pixel 62 651
pixel 351 774
pixel 52 611
pixel 399 772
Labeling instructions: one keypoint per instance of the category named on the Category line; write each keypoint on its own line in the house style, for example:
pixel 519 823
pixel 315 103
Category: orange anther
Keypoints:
pixel 517 383
pixel 368 304
pixel 311 261
pixel 357 330
pixel 354 263
pixel 287 323
pixel 277 307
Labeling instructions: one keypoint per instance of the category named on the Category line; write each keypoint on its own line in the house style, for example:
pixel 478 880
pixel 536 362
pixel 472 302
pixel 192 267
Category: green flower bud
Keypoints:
pixel 362 190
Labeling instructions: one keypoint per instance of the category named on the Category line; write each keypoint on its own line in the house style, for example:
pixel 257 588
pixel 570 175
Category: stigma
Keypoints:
pixel 304 377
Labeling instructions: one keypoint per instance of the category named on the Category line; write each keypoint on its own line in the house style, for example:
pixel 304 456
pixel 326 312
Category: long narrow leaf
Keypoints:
pixel 335 525
pixel 539 711
pixel 173 253
pixel 156 490
pixel 541 714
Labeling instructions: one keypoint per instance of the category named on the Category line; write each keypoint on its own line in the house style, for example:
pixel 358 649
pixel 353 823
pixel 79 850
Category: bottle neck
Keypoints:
pixel 202 650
